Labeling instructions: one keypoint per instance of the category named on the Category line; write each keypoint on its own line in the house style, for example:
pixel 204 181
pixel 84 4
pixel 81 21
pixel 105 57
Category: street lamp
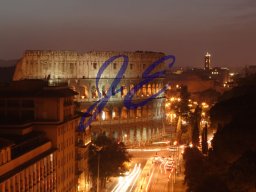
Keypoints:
pixel 98 174
pixel 98 149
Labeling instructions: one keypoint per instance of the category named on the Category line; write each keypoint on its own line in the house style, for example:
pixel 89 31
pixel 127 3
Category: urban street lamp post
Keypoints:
pixel 98 174
pixel 98 149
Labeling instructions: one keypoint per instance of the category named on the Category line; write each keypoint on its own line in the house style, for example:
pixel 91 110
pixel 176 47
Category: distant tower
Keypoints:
pixel 207 61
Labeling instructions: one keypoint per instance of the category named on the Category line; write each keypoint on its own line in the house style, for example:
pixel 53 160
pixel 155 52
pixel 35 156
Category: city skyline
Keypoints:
pixel 185 29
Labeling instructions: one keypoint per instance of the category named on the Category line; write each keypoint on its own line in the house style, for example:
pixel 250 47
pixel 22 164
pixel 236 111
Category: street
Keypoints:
pixel 155 169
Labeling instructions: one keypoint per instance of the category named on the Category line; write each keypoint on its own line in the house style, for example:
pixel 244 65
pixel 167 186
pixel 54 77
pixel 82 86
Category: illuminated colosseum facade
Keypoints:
pixel 133 126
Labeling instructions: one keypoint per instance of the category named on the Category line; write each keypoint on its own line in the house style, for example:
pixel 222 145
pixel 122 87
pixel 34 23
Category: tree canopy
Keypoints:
pixel 231 161
pixel 194 167
pixel 110 155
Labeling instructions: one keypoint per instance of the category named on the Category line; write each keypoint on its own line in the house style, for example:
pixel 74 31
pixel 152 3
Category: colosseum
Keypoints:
pixel 138 126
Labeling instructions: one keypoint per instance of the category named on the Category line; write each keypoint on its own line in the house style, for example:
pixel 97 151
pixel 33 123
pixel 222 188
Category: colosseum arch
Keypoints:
pixel 124 113
pixel 150 110
pixel 103 91
pixel 105 114
pixel 144 90
pixel 84 91
pixel 131 87
pixel 160 86
pixel 144 111
pixel 149 91
pixel 138 93
pixel 157 87
pixel 138 112
pixel 94 92
pixel 115 113
pixel 73 87
pixel 132 113
pixel 123 91
pixel 153 88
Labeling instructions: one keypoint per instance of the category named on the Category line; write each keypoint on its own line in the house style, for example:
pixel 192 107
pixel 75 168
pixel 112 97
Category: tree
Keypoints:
pixel 179 131
pixel 235 115
pixel 242 173
pixel 212 183
pixel 204 140
pixel 183 106
pixel 109 155
pixel 194 167
pixel 229 165
pixel 184 115
pixel 195 129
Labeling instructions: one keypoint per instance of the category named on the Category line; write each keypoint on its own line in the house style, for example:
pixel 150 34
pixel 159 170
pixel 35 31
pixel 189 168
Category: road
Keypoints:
pixel 153 171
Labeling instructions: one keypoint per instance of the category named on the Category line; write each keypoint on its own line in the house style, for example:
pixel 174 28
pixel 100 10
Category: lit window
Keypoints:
pixel 103 115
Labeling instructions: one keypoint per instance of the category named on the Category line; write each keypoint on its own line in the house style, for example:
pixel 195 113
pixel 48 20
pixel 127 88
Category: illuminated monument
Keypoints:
pixel 207 61
pixel 133 126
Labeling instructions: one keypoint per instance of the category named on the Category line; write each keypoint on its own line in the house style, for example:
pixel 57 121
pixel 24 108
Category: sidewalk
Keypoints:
pixel 179 185
pixel 144 177
pixel 110 184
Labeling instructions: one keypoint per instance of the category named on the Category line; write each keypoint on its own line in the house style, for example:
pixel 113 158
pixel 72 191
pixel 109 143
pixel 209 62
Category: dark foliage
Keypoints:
pixel 204 140
pixel 236 137
pixel 194 167
pixel 111 156
pixel 231 163
pixel 212 183
pixel 183 105
pixel 242 173
pixel 195 128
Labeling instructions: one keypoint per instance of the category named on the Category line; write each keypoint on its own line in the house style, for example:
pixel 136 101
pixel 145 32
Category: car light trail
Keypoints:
pixel 161 166
pixel 171 173
pixel 146 150
pixel 165 167
pixel 149 181
pixel 135 180
pixel 125 182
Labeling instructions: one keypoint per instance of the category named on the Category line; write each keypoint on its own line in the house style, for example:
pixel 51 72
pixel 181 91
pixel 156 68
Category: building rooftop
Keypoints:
pixel 24 143
pixel 5 142
pixel 35 88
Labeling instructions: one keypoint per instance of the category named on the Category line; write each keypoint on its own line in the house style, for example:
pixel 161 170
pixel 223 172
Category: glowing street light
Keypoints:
pixel 183 122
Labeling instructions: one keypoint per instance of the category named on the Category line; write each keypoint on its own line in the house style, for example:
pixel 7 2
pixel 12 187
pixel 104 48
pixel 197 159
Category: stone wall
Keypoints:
pixel 70 64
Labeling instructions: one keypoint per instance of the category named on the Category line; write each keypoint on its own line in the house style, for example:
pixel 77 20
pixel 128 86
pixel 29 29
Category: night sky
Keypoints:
pixel 185 28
